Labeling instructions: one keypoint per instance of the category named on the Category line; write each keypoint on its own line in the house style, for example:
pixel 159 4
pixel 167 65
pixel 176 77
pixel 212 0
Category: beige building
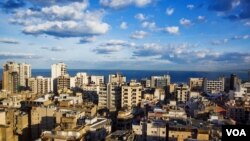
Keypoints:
pixel 171 88
pixel 15 125
pixel 117 78
pixel 159 94
pixel 113 96
pixel 150 130
pixel 39 85
pixel 6 133
pixel 90 110
pixel 63 83
pixel 146 82
pixel 15 76
pixel 97 80
pixel 93 130
pixel 183 133
pixel 195 84
pixel 81 79
pixel 182 93
pixel 131 94
pixel 10 77
pixel 109 96
pixel 102 96
pixel 42 118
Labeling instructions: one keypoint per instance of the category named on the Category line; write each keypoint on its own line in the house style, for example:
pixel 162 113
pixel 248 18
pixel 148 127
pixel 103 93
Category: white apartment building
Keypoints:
pixel 97 80
pixel 24 73
pixel 213 86
pixel 56 71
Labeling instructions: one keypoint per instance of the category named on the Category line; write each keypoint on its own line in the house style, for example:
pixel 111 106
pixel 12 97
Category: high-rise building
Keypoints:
pixel 15 76
pixel 56 71
pixel 159 94
pixel 213 86
pixel 63 83
pixel 97 80
pixel 24 73
pixel 113 96
pixel 117 78
pixel 182 93
pixel 81 79
pixel 102 96
pixel 11 77
pixel 234 82
pixel 195 84
pixel 145 82
pixel 131 94
pixel 160 81
pixel 109 96
pixel 39 85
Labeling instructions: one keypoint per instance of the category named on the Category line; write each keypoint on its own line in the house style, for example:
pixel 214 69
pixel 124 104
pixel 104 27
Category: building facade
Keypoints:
pixel 131 94
pixel 160 81
pixel 213 86
pixel 56 71
pixel 39 85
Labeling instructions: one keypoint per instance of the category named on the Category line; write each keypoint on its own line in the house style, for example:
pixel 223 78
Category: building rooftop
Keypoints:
pixel 120 135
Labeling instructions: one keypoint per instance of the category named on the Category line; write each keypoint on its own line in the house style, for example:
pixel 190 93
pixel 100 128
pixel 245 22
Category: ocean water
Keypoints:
pixel 176 76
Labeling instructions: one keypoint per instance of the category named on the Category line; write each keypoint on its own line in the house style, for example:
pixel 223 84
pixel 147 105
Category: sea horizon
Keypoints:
pixel 177 76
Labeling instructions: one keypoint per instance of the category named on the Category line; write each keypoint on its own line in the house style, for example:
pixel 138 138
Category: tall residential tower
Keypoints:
pixel 56 71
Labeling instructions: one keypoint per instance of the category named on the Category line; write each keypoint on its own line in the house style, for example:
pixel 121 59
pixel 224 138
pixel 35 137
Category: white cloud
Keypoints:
pixel 235 3
pixel 139 34
pixel 123 25
pixel 201 18
pixel 112 46
pixel 141 3
pixel 140 17
pixel 149 25
pixel 54 49
pixel 107 49
pixel 8 41
pixel 246 37
pixel 190 6
pixel 241 37
pixel 169 11
pixel 87 39
pixel 116 4
pixel 185 22
pixel 247 23
pixel 121 43
pixel 73 20
pixel 219 42
pixel 11 55
pixel 174 30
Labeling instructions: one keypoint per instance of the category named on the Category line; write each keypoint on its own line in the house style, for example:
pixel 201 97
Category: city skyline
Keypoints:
pixel 134 34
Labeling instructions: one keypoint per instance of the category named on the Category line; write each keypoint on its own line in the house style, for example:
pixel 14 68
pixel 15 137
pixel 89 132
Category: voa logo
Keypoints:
pixel 236 132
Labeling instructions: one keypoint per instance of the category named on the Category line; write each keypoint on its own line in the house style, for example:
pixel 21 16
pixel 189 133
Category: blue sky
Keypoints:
pixel 133 34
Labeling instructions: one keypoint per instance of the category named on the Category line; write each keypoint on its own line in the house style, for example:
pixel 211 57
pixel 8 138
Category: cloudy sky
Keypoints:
pixel 127 34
